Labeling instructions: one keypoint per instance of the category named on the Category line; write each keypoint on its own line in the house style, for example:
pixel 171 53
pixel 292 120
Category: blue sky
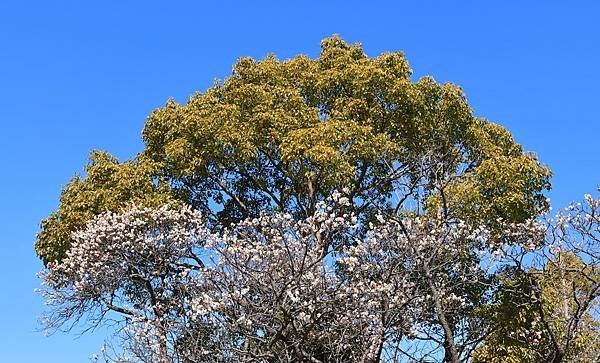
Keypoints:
pixel 78 75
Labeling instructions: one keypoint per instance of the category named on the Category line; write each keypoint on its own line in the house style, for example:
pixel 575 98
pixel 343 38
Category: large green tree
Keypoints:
pixel 283 135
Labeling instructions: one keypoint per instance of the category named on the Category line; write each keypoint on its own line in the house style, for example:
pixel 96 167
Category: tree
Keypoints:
pixel 283 135
pixel 141 265
pixel 274 289
pixel 547 303
pixel 264 290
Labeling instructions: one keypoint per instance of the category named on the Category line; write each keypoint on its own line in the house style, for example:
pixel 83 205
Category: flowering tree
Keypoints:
pixel 275 288
pixel 139 267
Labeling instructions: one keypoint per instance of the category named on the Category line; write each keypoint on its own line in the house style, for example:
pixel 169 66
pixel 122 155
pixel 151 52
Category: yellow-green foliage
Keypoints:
pixel 285 134
pixel 108 185
pixel 523 332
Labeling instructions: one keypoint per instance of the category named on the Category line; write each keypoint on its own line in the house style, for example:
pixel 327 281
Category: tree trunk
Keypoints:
pixel 450 351
pixel 558 357
pixel 163 351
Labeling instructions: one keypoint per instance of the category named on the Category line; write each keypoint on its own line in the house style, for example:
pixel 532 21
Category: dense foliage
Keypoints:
pixel 324 210
pixel 283 135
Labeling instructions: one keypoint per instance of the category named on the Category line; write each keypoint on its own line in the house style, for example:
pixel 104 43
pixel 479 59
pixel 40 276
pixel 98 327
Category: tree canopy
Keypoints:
pixel 411 289
pixel 283 135
pixel 324 210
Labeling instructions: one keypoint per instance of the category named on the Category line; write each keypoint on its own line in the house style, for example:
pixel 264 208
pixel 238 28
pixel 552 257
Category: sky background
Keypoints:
pixel 82 75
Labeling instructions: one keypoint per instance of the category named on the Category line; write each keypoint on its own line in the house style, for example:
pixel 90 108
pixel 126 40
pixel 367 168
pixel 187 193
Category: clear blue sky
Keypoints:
pixel 77 75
